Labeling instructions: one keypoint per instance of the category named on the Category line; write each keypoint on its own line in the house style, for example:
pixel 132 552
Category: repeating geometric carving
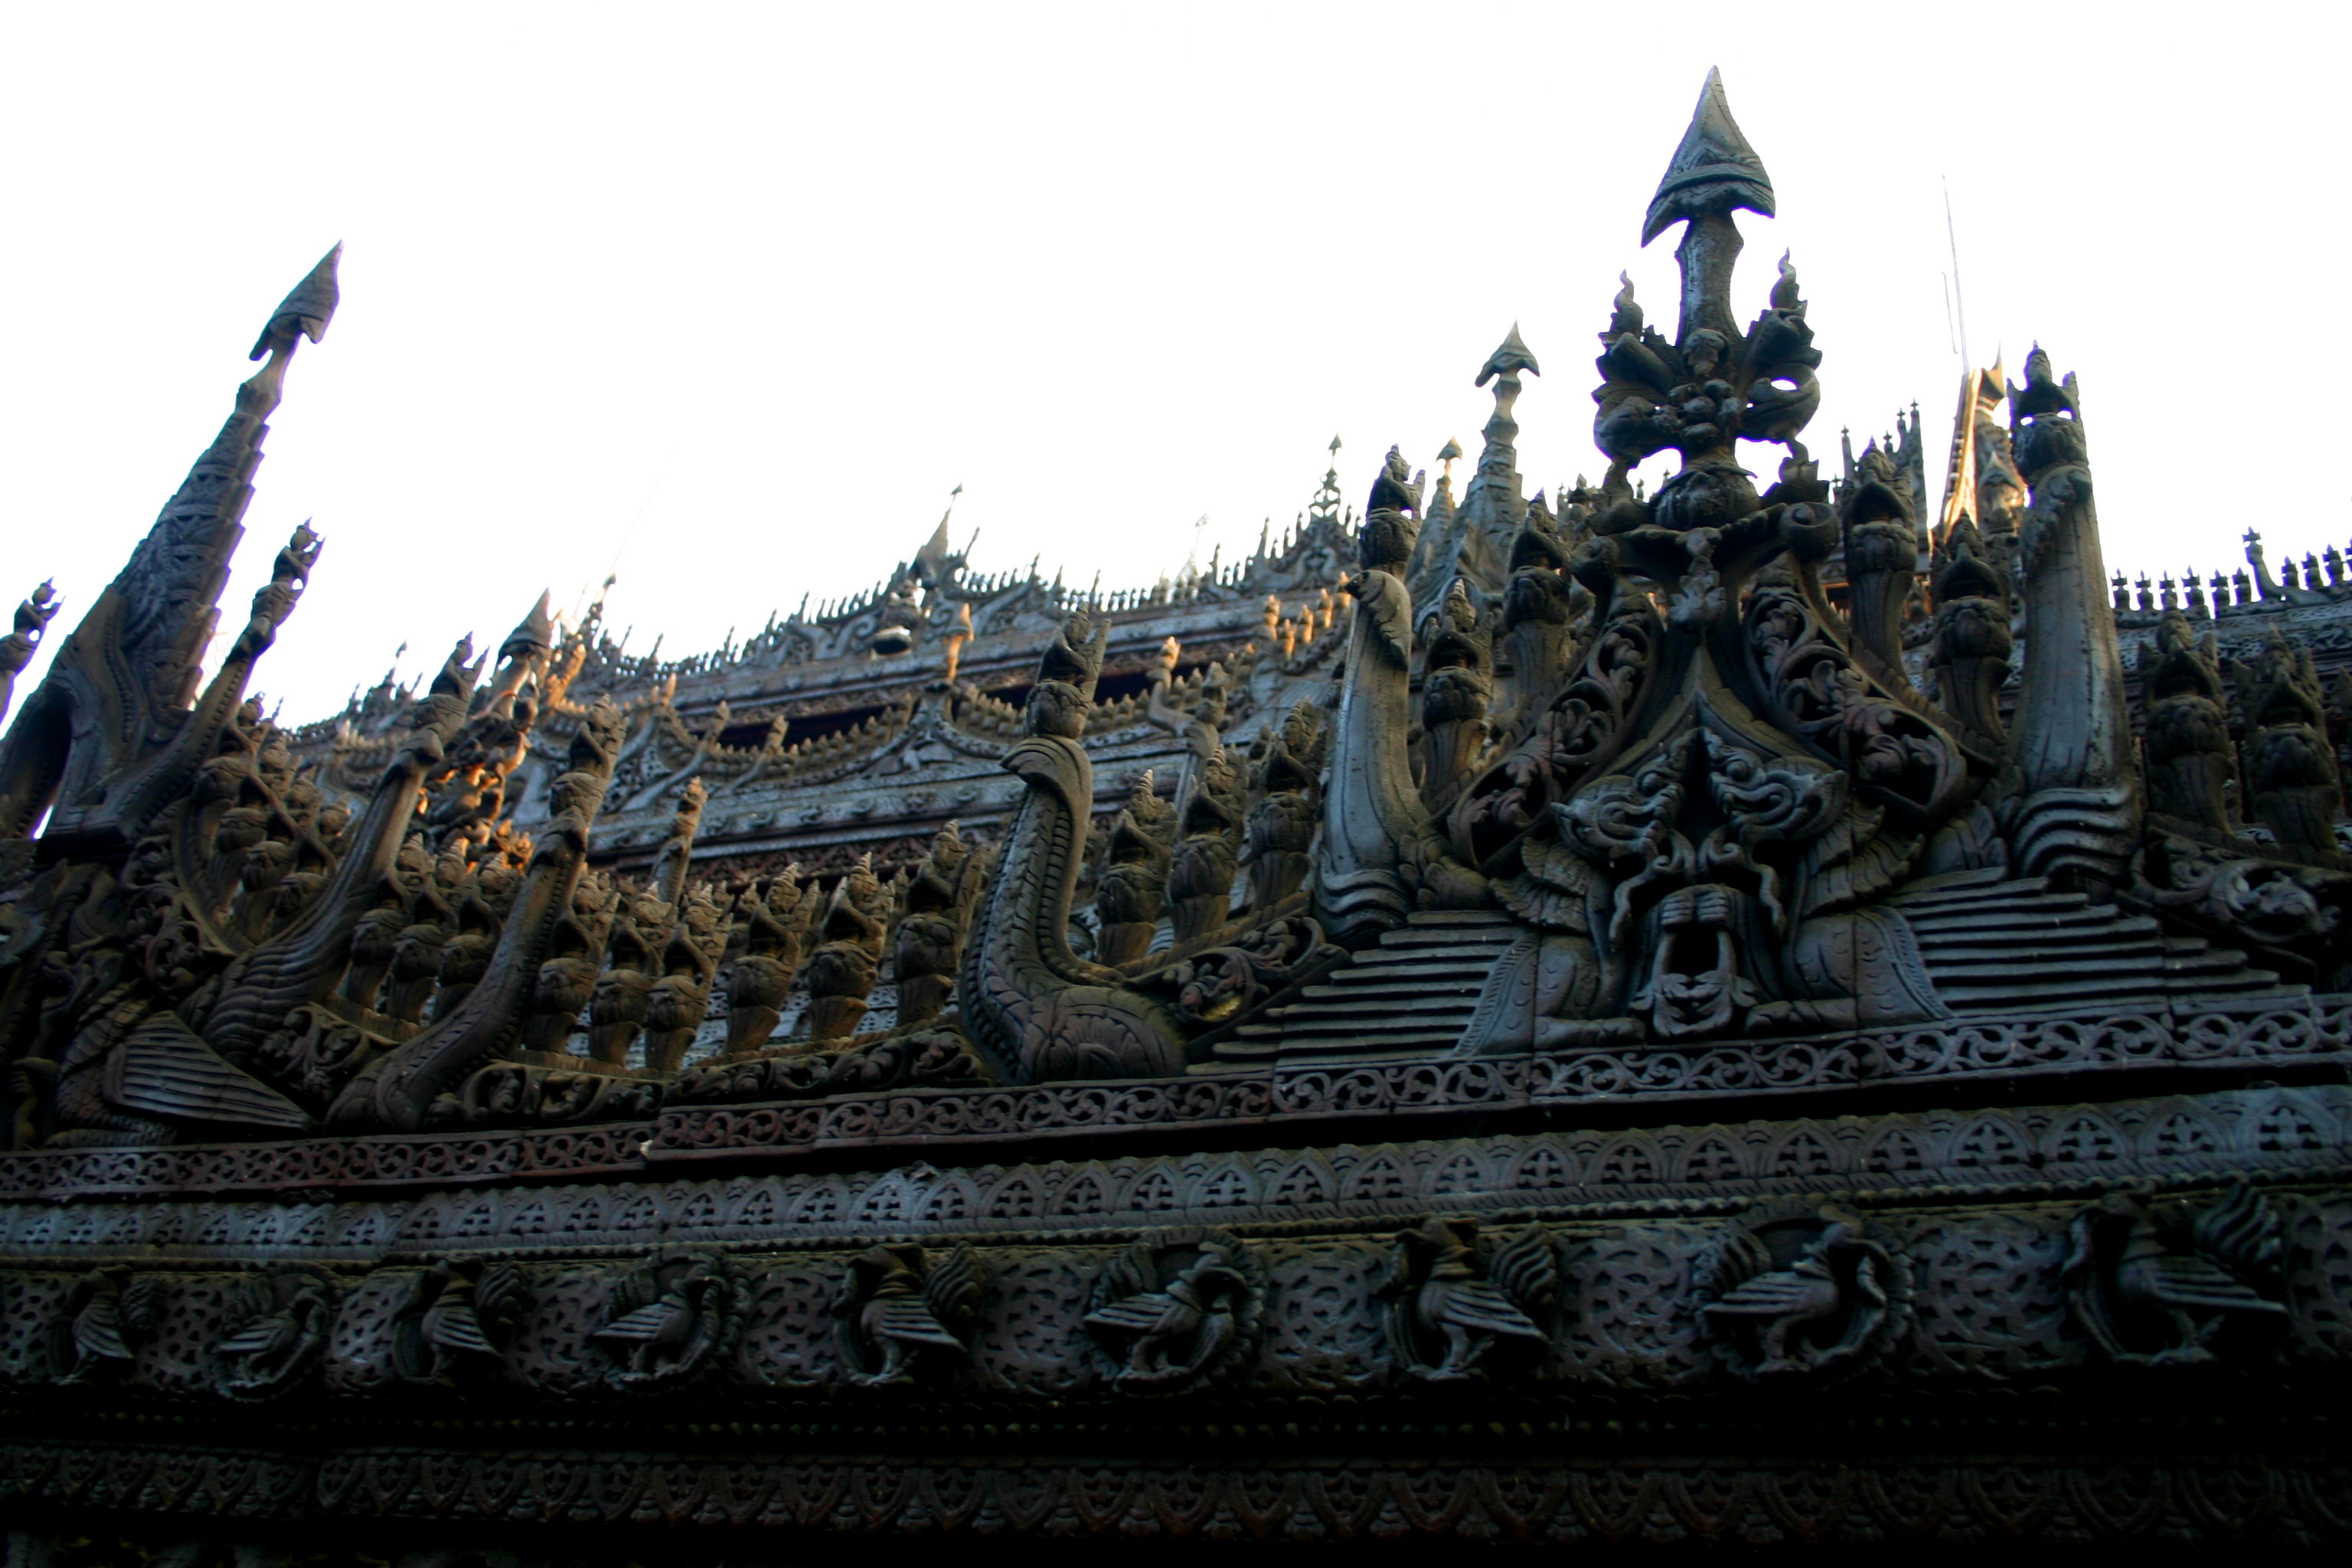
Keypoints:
pixel 2121 1140
pixel 2294 1499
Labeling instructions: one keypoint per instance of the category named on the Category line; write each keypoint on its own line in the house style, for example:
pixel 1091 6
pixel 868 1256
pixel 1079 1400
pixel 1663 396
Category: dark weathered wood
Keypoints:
pixel 1624 1023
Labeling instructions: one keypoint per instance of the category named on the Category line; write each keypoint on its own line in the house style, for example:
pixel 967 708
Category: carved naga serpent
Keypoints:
pixel 1031 1005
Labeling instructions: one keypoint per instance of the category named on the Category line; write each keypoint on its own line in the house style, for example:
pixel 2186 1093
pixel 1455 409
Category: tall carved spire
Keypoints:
pixel 1474 545
pixel 1715 385
pixel 124 678
pixel 931 561
pixel 1323 509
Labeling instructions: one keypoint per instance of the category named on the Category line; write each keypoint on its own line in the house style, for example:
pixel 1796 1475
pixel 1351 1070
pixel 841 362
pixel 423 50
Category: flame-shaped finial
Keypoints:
pixel 1625 315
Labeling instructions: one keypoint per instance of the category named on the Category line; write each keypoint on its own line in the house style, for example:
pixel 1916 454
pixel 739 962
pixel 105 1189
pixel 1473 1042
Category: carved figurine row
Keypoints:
pixel 268 962
pixel 1792 1291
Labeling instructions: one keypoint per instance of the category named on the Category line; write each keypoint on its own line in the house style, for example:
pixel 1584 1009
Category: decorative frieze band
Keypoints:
pixel 2295 1034
pixel 1877 1501
pixel 2285 1133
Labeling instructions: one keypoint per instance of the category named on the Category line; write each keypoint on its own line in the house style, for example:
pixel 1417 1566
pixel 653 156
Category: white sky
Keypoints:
pixel 739 293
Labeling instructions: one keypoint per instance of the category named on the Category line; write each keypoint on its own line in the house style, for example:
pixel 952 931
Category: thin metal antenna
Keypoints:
pixel 615 568
pixel 1959 299
pixel 1949 336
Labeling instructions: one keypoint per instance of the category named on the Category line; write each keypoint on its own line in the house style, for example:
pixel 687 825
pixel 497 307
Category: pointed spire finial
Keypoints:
pixel 306 311
pixel 932 558
pixel 535 634
pixel 1713 171
pixel 1508 360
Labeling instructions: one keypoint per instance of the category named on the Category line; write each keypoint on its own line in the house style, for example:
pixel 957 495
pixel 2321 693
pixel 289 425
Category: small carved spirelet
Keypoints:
pixel 32 623
pixel 1171 1310
pixel 1458 1301
pixel 899 1311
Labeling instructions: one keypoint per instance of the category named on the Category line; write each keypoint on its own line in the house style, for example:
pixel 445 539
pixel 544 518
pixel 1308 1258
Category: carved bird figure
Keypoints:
pixel 117 1308
pixel 896 1310
pixel 1808 1291
pixel 1465 1303
pixel 288 1327
pixel 265 1336
pixel 2194 1288
pixel 673 1309
pixel 661 1324
pixel 452 1324
pixel 1182 1326
pixel 98 1330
